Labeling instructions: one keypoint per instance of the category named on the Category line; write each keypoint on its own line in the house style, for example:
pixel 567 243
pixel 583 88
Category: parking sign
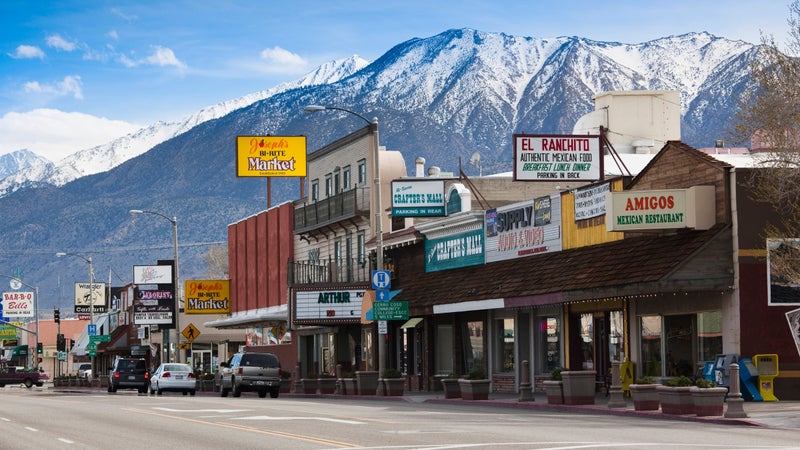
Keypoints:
pixel 381 279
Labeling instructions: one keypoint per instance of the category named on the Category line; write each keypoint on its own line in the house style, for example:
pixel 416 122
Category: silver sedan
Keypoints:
pixel 173 377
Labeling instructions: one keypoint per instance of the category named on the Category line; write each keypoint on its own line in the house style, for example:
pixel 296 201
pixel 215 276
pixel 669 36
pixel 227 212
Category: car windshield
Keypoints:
pixel 177 368
pixel 260 360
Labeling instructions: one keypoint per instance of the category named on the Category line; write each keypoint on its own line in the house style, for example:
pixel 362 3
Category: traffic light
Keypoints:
pixel 38 348
pixel 56 315
pixel 61 343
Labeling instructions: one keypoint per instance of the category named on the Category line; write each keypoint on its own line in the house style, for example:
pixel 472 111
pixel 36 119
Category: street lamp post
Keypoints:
pixel 176 281
pixel 382 348
pixel 91 293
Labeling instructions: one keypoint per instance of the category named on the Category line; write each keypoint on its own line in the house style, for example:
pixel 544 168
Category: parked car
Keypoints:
pixel 249 371
pixel 173 377
pixel 129 373
pixel 85 371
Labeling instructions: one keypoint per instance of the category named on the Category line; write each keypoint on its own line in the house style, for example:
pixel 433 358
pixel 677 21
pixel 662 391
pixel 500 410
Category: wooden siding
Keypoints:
pixel 585 232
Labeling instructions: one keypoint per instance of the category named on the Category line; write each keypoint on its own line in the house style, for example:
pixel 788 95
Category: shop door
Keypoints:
pixel 202 362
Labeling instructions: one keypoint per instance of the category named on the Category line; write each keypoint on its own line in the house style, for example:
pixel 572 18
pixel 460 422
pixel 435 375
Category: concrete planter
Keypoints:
pixel 393 387
pixel 452 389
pixel 286 385
pixel 474 389
pixel 348 386
pixel 367 382
pixel 708 401
pixel 578 387
pixel 554 389
pixel 309 385
pixel 675 400
pixel 645 397
pixel 326 385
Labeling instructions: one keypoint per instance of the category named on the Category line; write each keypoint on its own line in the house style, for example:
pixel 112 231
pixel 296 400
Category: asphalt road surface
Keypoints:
pixel 44 419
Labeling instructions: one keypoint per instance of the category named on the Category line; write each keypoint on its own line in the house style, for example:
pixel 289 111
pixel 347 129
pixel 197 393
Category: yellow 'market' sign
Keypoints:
pixel 271 156
pixel 208 296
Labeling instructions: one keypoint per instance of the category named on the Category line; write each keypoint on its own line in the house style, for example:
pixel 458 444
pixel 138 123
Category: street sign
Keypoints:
pixel 381 279
pixel 100 338
pixel 390 310
pixel 91 329
pixel 190 332
pixel 382 295
pixel 383 327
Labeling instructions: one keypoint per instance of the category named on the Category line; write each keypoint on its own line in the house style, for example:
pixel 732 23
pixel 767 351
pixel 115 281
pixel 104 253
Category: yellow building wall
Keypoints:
pixel 586 232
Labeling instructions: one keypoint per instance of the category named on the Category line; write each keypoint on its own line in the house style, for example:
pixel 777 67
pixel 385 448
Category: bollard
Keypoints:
pixel 525 391
pixel 298 379
pixel 735 401
pixel 616 399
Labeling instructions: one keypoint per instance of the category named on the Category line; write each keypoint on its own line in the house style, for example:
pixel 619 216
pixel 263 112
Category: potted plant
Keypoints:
pixel 326 383
pixel 675 396
pixel 554 387
pixel 579 386
pixel 475 385
pixel 310 384
pixel 367 382
pixel 392 382
pixel 645 394
pixel 451 387
pixel 708 398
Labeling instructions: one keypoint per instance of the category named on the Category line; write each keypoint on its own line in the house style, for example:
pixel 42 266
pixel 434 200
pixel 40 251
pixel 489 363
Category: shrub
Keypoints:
pixel 327 375
pixel 348 374
pixel 391 373
pixel 476 374
pixel 704 383
pixel 312 376
pixel 555 375
pixel 681 381
pixel 647 379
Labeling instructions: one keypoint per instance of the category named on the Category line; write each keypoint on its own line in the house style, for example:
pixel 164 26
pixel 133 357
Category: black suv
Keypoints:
pixel 129 373
pixel 258 372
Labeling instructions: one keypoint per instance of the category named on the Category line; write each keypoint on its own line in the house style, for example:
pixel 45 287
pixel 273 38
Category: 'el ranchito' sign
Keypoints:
pixel 557 157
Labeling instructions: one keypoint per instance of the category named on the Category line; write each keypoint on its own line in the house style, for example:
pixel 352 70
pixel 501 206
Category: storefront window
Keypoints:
pixel 504 338
pixel 587 340
pixel 616 338
pixel 444 349
pixel 548 344
pixel 651 345
pixel 473 345
pixel 709 335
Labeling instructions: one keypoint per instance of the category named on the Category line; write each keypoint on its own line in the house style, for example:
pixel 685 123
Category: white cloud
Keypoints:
pixel 161 57
pixel 283 57
pixel 56 41
pixel 56 134
pixel 70 85
pixel 27 52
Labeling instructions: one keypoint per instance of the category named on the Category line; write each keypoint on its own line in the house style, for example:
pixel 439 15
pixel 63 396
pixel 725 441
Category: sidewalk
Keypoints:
pixel 781 414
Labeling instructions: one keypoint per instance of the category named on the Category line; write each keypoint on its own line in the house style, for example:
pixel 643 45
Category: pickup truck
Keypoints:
pixel 11 375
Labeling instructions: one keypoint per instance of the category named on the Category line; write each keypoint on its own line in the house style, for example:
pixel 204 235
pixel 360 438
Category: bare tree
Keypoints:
pixel 217 263
pixel 769 117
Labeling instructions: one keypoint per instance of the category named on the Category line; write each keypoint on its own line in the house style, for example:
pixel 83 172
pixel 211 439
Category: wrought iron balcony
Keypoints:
pixel 330 271
pixel 346 205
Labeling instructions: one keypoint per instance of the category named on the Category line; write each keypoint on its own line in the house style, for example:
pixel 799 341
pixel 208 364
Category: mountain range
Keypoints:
pixel 443 98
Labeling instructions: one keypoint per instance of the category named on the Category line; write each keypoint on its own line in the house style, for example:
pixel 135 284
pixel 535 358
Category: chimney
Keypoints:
pixel 420 164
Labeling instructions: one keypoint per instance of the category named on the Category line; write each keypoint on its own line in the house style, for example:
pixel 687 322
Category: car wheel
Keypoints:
pixel 28 383
pixel 150 389
pixel 191 392
pixel 111 388
pixel 223 391
pixel 144 391
pixel 237 390
pixel 274 393
pixel 262 394
pixel 184 392
pixel 159 391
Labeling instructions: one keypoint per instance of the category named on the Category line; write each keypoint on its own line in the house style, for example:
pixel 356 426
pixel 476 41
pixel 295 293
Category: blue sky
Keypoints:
pixel 74 74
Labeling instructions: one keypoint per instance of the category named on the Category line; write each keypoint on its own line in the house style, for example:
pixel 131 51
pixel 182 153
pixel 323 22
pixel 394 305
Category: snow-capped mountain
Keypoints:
pixel 21 160
pixel 442 98
pixel 107 156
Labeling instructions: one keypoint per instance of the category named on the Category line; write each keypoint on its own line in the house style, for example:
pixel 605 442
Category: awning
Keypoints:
pixel 412 322
pixel 263 317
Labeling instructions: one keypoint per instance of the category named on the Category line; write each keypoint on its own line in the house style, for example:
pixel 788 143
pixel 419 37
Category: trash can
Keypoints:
pixel 722 369
pixel 767 365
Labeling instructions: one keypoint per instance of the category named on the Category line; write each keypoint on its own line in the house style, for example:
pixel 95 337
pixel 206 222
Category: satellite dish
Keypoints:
pixel 475 160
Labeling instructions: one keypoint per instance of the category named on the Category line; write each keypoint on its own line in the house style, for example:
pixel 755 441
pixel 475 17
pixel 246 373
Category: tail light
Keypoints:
pixel 239 371
pixel 166 375
pixel 191 375
pixel 116 374
pixel 146 375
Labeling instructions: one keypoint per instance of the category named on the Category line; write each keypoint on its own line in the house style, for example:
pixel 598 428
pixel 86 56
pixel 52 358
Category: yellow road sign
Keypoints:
pixel 190 332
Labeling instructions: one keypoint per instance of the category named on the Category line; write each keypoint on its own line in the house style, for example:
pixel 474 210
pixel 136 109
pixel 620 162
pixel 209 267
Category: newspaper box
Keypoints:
pixel 722 369
pixel 767 365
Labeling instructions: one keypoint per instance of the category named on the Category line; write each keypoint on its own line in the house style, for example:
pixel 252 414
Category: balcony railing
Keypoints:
pixel 344 271
pixel 346 205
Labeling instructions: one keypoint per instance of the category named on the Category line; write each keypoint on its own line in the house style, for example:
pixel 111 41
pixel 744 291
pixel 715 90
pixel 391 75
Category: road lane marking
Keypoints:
pixel 219 411
pixel 324 419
